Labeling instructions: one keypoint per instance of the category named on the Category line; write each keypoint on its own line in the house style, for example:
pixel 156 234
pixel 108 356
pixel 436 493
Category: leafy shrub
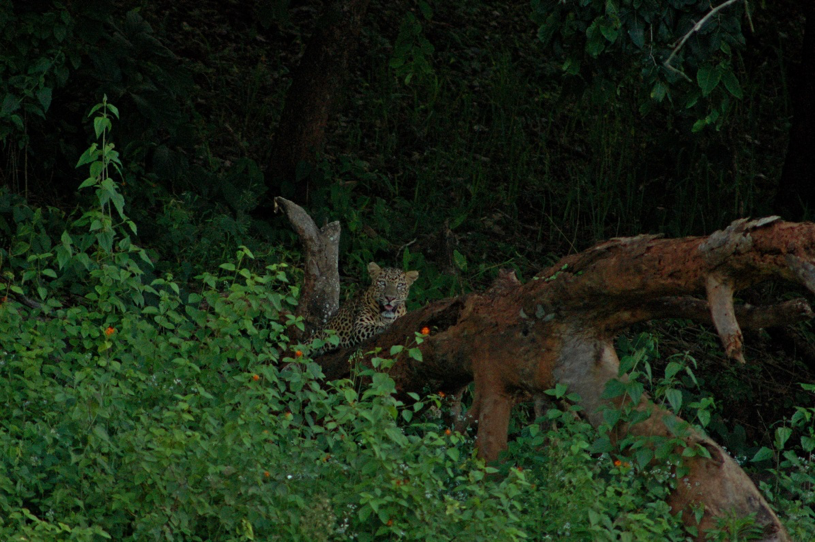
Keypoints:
pixel 139 408
pixel 580 494
pixel 148 412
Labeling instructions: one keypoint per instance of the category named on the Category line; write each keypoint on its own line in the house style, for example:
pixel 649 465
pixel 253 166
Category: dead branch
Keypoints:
pixel 696 27
pixel 320 296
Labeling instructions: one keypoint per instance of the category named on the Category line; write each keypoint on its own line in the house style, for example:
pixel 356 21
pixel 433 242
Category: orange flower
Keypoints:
pixel 266 473
pixel 442 394
pixel 389 523
pixel 5 298
pixel 448 432
pixel 425 330
pixel 617 463
pixel 110 331
pixel 298 354
pixel 255 378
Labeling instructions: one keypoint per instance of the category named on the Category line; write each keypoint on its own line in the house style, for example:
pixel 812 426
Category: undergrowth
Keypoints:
pixel 147 389
pixel 142 408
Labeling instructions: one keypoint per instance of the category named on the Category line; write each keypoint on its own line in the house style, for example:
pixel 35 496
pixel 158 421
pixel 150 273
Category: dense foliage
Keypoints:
pixel 149 388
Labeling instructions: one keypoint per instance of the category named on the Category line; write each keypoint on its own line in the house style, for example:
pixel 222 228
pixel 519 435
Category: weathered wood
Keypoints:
pixel 320 295
pixel 560 328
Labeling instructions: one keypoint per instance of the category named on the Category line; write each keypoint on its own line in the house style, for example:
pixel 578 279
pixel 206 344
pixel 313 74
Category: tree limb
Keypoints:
pixel 698 26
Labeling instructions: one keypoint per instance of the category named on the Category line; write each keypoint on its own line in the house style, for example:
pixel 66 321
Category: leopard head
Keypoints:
pixel 389 290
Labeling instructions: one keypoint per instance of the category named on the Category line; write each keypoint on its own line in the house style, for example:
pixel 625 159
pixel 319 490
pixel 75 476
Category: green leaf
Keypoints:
pixel 690 451
pixel 762 455
pixel 396 349
pixel 731 83
pixel 671 369
pixel 100 432
pixel 614 388
pixel 637 33
pixel 453 453
pixel 20 248
pixel 88 156
pixel 659 91
pixel 674 397
pixel 63 256
pixel 10 104
pixel 610 31
pixel 635 390
pixel 100 125
pixel 601 445
pixel 611 416
pixel 427 12
pixel 44 97
pixel 548 29
pixel 708 78
pixel 105 239
pixel 595 41
pixel 96 169
pixel 460 260
pixel 643 456
pixel 699 125
pixel 782 435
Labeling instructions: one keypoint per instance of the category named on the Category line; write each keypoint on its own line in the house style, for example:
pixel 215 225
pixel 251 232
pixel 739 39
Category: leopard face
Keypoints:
pixel 388 292
pixel 370 313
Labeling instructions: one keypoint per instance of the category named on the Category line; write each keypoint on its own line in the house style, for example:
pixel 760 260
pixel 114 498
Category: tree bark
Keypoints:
pixel 320 295
pixel 316 85
pixel 796 188
pixel 560 328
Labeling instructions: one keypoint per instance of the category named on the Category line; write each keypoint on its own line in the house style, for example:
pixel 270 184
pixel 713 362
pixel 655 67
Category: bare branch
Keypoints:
pixel 698 26
pixel 720 299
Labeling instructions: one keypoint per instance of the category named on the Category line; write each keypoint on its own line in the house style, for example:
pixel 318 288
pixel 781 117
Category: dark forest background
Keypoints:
pixel 455 138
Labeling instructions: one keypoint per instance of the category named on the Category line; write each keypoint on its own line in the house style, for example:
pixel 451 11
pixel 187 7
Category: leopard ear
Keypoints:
pixel 374 270
pixel 411 276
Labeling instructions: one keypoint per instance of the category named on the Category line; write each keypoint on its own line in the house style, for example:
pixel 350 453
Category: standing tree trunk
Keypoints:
pixel 560 328
pixel 796 189
pixel 317 82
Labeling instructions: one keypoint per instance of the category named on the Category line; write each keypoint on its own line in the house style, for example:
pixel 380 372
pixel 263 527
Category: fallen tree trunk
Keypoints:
pixel 560 327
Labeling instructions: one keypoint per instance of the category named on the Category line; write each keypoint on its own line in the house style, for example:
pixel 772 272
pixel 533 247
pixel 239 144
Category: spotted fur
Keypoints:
pixel 371 312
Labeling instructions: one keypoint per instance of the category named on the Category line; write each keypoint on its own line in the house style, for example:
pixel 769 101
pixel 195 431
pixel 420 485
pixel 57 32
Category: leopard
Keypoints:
pixel 372 311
